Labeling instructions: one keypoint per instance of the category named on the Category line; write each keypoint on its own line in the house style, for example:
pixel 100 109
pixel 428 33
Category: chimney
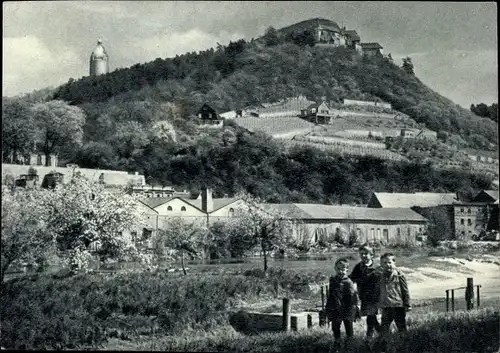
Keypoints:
pixel 207 204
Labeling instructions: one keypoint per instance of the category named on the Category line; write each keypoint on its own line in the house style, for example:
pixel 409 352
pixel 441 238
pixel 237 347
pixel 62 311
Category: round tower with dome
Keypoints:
pixel 99 60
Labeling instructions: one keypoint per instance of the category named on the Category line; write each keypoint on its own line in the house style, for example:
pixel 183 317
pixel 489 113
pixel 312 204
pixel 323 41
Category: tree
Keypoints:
pixel 271 230
pixel 18 128
pixel 59 125
pixel 271 37
pixel 183 237
pixel 24 233
pixel 407 66
pixel 440 223
pixel 86 217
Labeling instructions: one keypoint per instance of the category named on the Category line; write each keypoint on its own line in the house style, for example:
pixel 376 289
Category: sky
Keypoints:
pixel 453 46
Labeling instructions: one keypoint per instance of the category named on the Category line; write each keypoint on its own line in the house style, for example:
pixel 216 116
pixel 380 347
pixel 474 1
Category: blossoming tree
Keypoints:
pixel 85 216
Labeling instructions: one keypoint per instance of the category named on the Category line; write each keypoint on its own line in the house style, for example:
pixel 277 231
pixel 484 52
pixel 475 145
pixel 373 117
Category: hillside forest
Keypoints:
pixel 143 119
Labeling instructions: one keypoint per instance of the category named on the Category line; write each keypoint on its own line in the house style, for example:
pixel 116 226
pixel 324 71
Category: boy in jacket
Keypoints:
pixel 342 304
pixel 364 275
pixel 394 295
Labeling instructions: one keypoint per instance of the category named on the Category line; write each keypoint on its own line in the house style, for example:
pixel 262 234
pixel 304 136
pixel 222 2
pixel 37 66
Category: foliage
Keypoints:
pixel 486 111
pixel 229 238
pixel 271 230
pixel 407 66
pixel 184 237
pixel 18 127
pixel 84 215
pixel 24 233
pixel 58 125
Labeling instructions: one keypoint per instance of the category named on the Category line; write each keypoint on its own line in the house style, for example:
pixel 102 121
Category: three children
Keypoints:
pixel 385 288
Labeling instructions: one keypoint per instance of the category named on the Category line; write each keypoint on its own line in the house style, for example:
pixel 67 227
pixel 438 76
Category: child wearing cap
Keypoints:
pixel 342 303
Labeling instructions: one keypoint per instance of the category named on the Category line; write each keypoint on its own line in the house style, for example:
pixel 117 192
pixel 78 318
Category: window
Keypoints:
pixel 133 236
pixel 462 222
pixel 399 232
pixel 469 222
pixel 169 208
pixel 468 210
pixel 386 235
pixel 378 233
pixel 462 210
pixel 183 208
pixel 231 212
pixel 372 233
pixel 409 230
pixel 146 234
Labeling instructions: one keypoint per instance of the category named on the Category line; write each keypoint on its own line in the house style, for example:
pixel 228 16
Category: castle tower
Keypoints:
pixel 99 60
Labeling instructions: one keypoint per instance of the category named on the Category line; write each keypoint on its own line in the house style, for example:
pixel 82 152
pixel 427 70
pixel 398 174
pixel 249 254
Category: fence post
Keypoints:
pixel 447 300
pixel 309 321
pixel 286 314
pixel 452 300
pixel 478 302
pixel 322 298
pixel 469 293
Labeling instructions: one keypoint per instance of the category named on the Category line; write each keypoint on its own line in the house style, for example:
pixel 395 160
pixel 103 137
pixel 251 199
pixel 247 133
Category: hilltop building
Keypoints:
pixel 99 60
pixel 328 33
pixel 208 117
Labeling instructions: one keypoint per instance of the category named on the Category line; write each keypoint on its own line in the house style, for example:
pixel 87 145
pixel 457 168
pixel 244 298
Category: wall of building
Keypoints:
pixel 367 231
pixel 469 219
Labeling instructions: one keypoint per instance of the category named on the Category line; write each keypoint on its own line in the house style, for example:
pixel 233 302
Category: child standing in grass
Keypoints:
pixel 394 295
pixel 364 275
pixel 342 304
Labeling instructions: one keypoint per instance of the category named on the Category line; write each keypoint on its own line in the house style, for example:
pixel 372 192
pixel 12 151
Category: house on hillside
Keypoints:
pixel 208 117
pixel 288 107
pixel 318 113
pixel 419 134
pixel 317 223
pixel 352 40
pixel 372 49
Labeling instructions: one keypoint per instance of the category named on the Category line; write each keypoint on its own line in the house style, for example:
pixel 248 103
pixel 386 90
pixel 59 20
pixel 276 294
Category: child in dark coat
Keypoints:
pixel 364 275
pixel 342 303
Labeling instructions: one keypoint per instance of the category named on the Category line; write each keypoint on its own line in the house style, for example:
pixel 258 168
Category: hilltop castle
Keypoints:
pixel 99 60
pixel 328 33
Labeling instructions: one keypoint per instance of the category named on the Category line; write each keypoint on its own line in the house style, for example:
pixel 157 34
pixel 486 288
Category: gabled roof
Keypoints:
pixel 337 212
pixel 311 106
pixel 407 200
pixel 217 203
pixel 352 35
pixel 484 195
pixel 371 46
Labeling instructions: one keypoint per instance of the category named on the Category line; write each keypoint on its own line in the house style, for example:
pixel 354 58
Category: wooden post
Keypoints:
pixel 322 298
pixel 293 323
pixel 469 293
pixel 452 300
pixel 286 314
pixel 447 300
pixel 309 321
pixel 322 318
pixel 478 302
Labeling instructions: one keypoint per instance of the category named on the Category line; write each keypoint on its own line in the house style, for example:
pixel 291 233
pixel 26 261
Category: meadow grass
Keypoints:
pixel 473 331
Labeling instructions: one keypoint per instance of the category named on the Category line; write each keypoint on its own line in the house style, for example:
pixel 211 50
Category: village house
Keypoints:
pixel 158 191
pixel 208 117
pixel 202 210
pixel 419 134
pixel 317 222
pixel 467 219
pixel 372 49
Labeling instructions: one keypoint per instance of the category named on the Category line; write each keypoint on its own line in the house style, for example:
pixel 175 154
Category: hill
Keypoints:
pixel 143 119
pixel 247 73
